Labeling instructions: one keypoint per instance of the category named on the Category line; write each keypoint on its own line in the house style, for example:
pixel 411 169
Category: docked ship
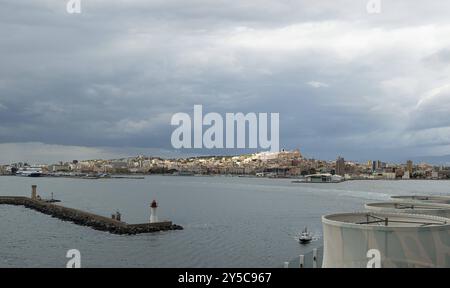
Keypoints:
pixel 29 172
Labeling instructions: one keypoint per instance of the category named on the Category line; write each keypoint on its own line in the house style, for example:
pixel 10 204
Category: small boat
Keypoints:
pixel 305 237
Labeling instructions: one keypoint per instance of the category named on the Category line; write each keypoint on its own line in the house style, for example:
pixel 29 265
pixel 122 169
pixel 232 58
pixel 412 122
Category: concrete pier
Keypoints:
pixel 83 218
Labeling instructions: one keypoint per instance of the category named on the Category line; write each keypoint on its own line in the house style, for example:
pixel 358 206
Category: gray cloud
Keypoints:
pixel 114 75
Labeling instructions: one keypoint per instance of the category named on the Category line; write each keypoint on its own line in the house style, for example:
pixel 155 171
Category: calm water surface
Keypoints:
pixel 228 221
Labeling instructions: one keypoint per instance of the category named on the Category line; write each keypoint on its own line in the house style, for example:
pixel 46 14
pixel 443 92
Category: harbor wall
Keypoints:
pixel 83 218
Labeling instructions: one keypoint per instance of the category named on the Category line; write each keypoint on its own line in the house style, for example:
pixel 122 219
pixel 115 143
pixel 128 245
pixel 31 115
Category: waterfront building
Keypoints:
pixel 406 175
pixel 389 175
pixel 323 178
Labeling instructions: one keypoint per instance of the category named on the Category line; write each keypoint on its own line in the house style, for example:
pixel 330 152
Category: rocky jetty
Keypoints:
pixel 87 219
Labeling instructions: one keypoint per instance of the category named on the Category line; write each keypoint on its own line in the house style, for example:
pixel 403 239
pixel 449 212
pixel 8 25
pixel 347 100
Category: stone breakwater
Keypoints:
pixel 87 219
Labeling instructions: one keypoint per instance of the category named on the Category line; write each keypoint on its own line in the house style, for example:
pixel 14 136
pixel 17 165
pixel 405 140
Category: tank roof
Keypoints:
pixel 424 198
pixel 409 205
pixel 380 219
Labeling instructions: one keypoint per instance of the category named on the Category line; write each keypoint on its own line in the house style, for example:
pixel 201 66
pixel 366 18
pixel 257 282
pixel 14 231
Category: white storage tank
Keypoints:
pixel 423 198
pixel 434 209
pixel 354 240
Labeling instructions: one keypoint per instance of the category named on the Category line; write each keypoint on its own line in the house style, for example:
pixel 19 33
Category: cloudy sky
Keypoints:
pixel 106 82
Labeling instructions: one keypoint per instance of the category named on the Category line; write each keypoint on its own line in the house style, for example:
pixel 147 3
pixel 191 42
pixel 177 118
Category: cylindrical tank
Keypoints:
pixel 399 240
pixel 423 198
pixel 434 209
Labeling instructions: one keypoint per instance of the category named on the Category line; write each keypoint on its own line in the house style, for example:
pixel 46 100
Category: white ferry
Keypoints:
pixel 29 172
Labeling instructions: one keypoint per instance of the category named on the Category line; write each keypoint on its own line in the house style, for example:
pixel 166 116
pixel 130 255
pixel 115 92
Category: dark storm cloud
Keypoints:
pixel 344 81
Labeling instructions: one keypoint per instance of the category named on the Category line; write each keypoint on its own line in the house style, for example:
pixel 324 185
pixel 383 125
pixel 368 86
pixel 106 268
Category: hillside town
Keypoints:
pixel 284 164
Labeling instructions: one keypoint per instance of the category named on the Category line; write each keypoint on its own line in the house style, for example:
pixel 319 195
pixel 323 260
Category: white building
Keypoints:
pixel 406 176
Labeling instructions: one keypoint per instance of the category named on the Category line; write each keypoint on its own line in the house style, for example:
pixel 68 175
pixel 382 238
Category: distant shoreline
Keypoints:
pixel 143 176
